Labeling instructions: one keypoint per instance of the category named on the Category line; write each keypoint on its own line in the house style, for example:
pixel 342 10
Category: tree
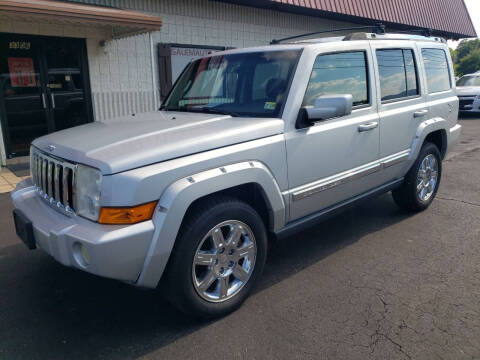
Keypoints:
pixel 469 63
pixel 453 54
pixel 466 57
pixel 466 46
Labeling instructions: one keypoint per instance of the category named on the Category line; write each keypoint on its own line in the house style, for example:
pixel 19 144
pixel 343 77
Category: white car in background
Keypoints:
pixel 468 91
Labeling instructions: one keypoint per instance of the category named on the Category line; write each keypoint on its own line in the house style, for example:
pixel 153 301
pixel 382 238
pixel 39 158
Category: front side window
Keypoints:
pixel 244 84
pixel 398 75
pixel 339 73
pixel 436 70
pixel 469 80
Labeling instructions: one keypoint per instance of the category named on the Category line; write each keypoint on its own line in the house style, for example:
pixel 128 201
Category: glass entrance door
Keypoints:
pixel 43 88
pixel 23 104
pixel 65 83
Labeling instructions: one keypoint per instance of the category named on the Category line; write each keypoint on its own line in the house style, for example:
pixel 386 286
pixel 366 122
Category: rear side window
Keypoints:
pixel 398 73
pixel 339 73
pixel 436 70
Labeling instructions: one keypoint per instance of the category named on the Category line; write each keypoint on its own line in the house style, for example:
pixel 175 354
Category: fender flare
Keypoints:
pixel 177 198
pixel 424 129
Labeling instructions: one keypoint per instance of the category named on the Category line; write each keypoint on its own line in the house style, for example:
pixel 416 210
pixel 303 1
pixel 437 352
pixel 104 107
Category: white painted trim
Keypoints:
pixel 152 59
pixel 3 151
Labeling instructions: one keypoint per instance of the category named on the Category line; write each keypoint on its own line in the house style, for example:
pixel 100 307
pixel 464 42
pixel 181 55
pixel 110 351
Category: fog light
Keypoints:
pixel 80 253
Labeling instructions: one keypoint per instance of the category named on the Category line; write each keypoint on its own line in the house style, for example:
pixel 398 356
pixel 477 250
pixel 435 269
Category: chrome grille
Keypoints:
pixel 54 180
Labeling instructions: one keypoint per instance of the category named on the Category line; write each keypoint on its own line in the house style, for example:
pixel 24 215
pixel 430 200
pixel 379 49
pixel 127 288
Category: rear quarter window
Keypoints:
pixel 436 70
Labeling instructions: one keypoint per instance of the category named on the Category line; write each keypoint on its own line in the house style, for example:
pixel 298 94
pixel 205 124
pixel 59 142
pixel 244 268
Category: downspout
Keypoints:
pixel 154 83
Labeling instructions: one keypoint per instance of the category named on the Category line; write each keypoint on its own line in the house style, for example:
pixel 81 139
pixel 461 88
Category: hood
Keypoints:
pixel 468 90
pixel 134 141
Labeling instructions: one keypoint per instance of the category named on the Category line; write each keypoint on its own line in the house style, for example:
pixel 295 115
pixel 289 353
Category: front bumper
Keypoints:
pixel 469 104
pixel 114 251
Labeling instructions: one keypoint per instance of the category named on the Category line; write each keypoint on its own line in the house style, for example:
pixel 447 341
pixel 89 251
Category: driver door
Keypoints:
pixel 335 159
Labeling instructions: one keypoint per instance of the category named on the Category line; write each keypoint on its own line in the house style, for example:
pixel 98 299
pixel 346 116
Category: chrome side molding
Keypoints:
pixel 348 176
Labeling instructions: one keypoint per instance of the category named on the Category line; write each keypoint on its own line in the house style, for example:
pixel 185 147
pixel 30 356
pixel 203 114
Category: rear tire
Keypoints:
pixel 421 182
pixel 218 256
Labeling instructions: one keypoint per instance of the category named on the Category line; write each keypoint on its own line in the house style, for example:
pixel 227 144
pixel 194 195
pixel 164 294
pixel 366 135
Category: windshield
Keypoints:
pixel 469 81
pixel 245 84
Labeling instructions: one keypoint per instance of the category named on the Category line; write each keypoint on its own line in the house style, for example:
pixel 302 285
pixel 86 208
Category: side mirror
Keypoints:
pixel 325 107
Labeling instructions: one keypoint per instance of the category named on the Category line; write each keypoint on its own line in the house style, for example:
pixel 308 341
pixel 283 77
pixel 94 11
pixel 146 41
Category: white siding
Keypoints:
pixel 121 76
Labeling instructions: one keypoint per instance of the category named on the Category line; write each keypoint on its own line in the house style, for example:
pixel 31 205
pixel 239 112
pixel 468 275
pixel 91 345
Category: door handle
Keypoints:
pixel 52 97
pixel 420 113
pixel 44 101
pixel 368 126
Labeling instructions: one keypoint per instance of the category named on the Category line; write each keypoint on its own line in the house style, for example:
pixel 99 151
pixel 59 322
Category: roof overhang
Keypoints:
pixel 448 19
pixel 121 21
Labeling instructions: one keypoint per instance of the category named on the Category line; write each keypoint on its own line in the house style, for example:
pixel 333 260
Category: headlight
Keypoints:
pixel 87 192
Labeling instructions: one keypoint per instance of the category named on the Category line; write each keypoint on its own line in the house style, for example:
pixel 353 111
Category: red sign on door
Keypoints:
pixel 22 72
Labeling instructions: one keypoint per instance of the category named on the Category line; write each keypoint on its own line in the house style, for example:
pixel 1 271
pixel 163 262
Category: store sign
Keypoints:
pixel 19 45
pixel 182 56
pixel 22 72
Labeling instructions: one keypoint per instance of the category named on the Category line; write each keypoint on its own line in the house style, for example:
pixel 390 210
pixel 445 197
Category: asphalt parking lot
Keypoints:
pixel 372 283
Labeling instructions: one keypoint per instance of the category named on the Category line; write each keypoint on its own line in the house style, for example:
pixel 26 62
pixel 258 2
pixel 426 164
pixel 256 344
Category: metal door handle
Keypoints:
pixel 368 126
pixel 52 97
pixel 420 113
pixel 44 101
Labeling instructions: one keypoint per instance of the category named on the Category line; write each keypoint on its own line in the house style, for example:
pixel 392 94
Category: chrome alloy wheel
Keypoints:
pixel 224 261
pixel 427 177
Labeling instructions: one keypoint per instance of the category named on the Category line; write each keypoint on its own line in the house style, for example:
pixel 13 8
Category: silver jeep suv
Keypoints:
pixel 250 143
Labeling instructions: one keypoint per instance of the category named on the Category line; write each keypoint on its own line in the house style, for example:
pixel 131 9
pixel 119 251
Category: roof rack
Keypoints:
pixel 378 29
pixel 390 36
pixel 427 32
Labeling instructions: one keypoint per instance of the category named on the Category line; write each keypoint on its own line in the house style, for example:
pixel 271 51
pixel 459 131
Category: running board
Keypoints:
pixel 309 220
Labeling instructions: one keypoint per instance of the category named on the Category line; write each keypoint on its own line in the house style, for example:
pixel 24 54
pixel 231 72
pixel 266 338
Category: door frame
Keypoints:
pixel 43 68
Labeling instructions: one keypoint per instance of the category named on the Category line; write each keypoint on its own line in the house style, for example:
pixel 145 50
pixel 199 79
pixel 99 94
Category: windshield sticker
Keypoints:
pixel 269 105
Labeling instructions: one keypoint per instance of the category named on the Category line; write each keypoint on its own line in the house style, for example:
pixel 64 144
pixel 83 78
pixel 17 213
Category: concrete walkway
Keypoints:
pixel 8 180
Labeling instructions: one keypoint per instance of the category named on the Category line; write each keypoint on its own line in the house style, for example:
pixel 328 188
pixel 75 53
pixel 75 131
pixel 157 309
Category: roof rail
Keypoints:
pixel 427 32
pixel 391 36
pixel 377 29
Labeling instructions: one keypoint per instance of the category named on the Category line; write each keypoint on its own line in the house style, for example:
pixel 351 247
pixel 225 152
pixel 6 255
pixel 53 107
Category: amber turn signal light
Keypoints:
pixel 126 215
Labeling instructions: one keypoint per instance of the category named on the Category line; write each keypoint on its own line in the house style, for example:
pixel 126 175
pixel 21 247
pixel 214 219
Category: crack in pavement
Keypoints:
pixel 458 200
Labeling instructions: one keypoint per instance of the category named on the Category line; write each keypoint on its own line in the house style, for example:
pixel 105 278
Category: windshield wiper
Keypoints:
pixel 204 109
pixel 210 110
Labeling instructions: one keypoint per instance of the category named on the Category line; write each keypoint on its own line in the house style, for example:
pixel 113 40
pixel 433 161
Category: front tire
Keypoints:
pixel 218 256
pixel 421 182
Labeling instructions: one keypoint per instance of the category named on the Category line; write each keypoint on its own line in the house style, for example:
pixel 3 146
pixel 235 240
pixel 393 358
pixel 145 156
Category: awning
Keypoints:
pixel 123 21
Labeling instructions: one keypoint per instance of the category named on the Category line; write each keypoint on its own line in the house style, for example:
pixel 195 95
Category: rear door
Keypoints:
pixel 402 100
pixel 440 89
